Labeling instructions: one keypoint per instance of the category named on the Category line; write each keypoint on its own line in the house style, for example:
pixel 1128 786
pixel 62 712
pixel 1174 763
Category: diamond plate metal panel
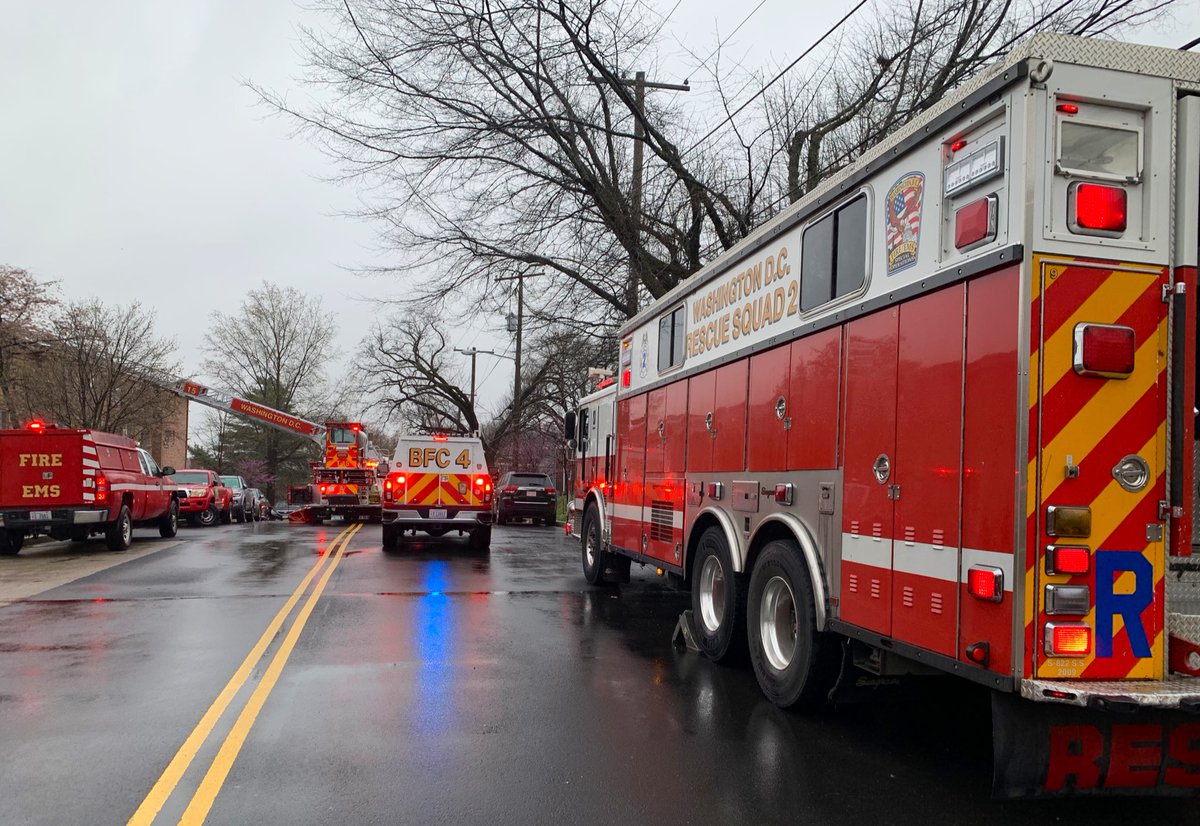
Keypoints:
pixel 1173 692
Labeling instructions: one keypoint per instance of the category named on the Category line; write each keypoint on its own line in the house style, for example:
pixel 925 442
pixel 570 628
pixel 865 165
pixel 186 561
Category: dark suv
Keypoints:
pixel 525 496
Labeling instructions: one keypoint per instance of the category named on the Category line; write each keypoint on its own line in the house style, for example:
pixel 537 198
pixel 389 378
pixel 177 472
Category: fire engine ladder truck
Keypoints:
pixel 337 489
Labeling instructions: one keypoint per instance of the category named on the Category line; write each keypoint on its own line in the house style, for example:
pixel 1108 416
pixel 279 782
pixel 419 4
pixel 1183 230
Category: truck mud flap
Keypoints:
pixel 1055 750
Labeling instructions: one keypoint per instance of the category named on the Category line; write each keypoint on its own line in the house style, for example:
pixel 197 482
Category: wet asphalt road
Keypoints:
pixel 440 685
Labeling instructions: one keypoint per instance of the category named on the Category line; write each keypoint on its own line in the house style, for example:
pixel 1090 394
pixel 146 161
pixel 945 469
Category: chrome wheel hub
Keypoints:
pixel 712 594
pixel 777 623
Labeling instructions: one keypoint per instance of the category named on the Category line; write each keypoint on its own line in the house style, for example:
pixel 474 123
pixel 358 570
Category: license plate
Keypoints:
pixel 531 493
pixel 437 513
pixel 33 515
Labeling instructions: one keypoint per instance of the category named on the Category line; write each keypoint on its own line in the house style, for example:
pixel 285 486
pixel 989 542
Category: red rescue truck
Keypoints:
pixel 70 484
pixel 938 417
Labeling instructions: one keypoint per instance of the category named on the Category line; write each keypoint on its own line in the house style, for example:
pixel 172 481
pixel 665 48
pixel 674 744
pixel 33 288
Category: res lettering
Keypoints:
pixel 39 460
pixel 40 491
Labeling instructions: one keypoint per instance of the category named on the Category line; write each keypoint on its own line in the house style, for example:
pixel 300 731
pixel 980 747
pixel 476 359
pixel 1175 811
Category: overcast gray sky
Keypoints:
pixel 136 165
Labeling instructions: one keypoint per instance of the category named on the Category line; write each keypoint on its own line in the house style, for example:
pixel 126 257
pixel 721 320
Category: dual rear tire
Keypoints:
pixel 771 615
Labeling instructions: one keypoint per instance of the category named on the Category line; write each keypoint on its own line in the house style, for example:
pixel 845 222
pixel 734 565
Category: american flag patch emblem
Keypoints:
pixel 903 222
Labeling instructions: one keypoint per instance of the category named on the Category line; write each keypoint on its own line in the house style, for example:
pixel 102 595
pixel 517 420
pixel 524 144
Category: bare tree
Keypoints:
pixel 91 370
pixel 25 307
pixel 896 66
pixel 273 350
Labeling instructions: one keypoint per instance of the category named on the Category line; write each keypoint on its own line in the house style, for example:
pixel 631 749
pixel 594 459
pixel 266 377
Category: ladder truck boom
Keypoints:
pixel 194 391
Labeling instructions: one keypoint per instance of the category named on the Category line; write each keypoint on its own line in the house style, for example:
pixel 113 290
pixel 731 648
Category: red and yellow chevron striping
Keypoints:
pixel 1081 428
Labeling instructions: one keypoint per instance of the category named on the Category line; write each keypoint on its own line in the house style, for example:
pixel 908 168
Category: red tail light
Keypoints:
pixel 626 377
pixel 986 582
pixel 1096 209
pixel 393 487
pixel 550 491
pixel 510 489
pixel 1067 639
pixel 101 489
pixel 323 488
pixel 1068 559
pixel 479 480
pixel 1104 350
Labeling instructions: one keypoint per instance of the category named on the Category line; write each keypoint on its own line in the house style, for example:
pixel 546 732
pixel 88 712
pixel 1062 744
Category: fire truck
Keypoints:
pixel 937 417
pixel 345 483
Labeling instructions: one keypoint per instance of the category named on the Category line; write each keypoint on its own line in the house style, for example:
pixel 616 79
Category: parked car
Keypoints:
pixel 203 497
pixel 526 496
pixel 255 505
pixel 70 484
pixel 238 507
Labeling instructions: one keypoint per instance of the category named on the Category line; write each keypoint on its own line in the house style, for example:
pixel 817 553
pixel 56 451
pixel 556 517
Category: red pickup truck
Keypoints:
pixel 70 484
pixel 204 498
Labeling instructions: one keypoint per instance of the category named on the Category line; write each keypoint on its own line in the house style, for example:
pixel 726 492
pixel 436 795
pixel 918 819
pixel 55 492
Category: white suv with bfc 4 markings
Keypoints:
pixel 438 484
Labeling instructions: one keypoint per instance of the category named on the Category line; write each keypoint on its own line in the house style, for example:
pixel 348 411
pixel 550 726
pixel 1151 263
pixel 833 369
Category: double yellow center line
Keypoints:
pixel 201 802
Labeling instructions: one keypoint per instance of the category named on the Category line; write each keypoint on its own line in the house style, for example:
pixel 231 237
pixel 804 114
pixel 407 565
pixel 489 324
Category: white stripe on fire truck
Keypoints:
pixel 634 514
pixel 87 471
pixel 89 451
pixel 135 487
pixel 921 559
pixel 91 463
pixel 89 497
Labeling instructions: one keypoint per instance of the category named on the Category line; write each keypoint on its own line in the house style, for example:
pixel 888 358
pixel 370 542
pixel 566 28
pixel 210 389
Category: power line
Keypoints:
pixel 719 46
pixel 775 79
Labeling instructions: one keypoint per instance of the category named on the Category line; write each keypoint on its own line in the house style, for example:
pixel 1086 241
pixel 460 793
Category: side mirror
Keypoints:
pixel 166 471
pixel 571 443
pixel 569 426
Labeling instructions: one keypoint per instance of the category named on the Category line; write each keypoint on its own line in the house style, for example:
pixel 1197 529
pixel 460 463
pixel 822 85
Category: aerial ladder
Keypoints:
pixel 345 483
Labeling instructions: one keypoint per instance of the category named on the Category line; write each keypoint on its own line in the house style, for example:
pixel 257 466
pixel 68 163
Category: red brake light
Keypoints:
pixel 975 223
pixel 1067 639
pixel 1104 350
pixel 986 582
pixel 1096 209
pixel 479 480
pixel 511 489
pixel 101 488
pixel 1068 559
pixel 322 488
pixel 550 491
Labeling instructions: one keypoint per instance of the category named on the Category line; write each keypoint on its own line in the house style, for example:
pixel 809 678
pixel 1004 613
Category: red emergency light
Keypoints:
pixel 1068 108
pixel 986 583
pixel 626 377
pixel 1064 639
pixel 36 425
pixel 1068 559
pixel 1097 209
pixel 957 145
pixel 1104 350
pixel 975 223
pixel 440 437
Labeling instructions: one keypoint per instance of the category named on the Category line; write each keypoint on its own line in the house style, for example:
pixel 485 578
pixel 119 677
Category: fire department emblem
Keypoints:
pixel 644 366
pixel 903 222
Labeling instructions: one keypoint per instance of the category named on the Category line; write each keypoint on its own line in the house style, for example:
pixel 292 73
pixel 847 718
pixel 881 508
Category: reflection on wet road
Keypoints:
pixel 441 685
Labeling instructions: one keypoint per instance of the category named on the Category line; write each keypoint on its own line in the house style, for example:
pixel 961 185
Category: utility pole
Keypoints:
pixel 640 85
pixel 472 353
pixel 517 328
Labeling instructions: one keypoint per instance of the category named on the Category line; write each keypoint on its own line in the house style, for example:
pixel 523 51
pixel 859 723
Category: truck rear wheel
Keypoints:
pixel 795 664
pixel 168 523
pixel 718 598
pixel 481 538
pixel 119 534
pixel 11 542
pixel 391 537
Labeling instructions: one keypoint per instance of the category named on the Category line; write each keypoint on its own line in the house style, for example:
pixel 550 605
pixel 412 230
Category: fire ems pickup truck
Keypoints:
pixel 70 484
pixel 439 484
